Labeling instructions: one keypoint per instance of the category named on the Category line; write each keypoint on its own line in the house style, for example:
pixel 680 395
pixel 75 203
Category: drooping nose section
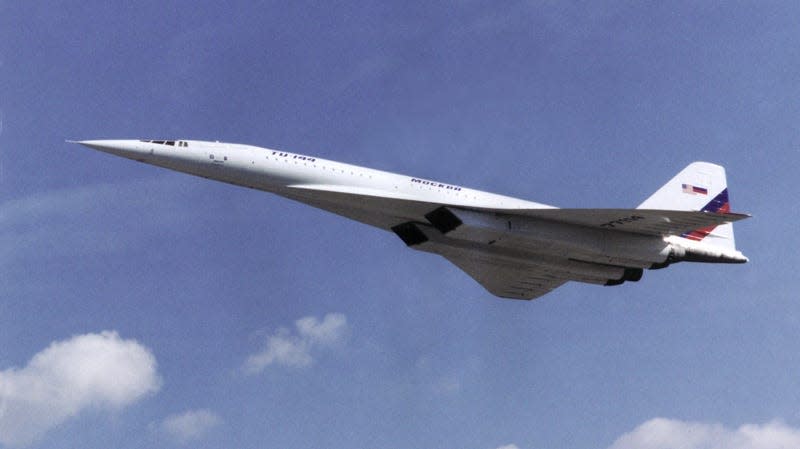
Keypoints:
pixel 131 149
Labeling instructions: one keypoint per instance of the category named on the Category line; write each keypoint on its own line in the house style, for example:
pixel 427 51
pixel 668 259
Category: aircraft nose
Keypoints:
pixel 131 149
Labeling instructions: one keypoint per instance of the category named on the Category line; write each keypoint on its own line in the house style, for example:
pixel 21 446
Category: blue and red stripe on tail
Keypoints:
pixel 719 205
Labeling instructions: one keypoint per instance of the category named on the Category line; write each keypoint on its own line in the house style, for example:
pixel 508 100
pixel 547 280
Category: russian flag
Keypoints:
pixel 694 190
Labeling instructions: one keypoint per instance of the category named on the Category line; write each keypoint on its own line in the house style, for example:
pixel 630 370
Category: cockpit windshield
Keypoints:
pixel 173 143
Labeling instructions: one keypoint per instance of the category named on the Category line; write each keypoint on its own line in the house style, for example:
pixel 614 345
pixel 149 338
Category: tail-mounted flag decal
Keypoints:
pixel 694 190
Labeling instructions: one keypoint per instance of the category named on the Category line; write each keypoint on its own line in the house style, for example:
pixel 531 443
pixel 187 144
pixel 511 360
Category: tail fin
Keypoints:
pixel 701 186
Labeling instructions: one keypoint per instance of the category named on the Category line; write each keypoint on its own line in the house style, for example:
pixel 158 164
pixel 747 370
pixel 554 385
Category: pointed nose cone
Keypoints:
pixel 131 149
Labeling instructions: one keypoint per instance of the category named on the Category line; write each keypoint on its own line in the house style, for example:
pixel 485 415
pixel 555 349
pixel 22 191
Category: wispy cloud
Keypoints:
pixel 444 379
pixel 191 425
pixel 33 225
pixel 86 371
pixel 85 219
pixel 295 349
pixel 661 433
pixel 448 385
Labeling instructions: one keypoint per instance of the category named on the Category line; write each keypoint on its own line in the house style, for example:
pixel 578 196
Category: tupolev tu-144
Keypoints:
pixel 514 248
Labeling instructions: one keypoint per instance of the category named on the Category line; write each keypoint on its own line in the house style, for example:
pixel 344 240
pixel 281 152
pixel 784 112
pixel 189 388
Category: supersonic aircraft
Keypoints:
pixel 514 248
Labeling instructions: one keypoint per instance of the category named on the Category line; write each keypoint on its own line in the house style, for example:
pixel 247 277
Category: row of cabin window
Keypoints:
pixel 320 166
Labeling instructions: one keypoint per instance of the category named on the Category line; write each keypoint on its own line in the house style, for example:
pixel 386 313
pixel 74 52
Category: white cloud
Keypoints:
pixel 294 350
pixel 508 446
pixel 661 433
pixel 283 349
pixel 326 332
pixel 86 371
pixel 191 425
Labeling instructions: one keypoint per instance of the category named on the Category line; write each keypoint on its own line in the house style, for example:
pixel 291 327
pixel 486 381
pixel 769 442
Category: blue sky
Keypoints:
pixel 142 307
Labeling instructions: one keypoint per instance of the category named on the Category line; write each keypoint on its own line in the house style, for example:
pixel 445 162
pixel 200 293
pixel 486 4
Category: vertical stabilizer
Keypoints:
pixel 701 186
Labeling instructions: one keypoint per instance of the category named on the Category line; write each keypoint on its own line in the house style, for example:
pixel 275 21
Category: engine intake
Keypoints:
pixel 410 233
pixel 444 220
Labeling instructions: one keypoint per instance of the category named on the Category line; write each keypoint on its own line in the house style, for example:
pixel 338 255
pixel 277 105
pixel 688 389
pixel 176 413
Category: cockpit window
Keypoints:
pixel 180 143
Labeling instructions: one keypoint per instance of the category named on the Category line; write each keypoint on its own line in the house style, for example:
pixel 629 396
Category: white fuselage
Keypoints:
pixel 514 248
pixel 274 171
pixel 304 178
pixel 385 200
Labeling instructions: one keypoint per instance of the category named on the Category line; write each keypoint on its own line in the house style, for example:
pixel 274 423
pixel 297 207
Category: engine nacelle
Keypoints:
pixel 684 250
pixel 546 237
